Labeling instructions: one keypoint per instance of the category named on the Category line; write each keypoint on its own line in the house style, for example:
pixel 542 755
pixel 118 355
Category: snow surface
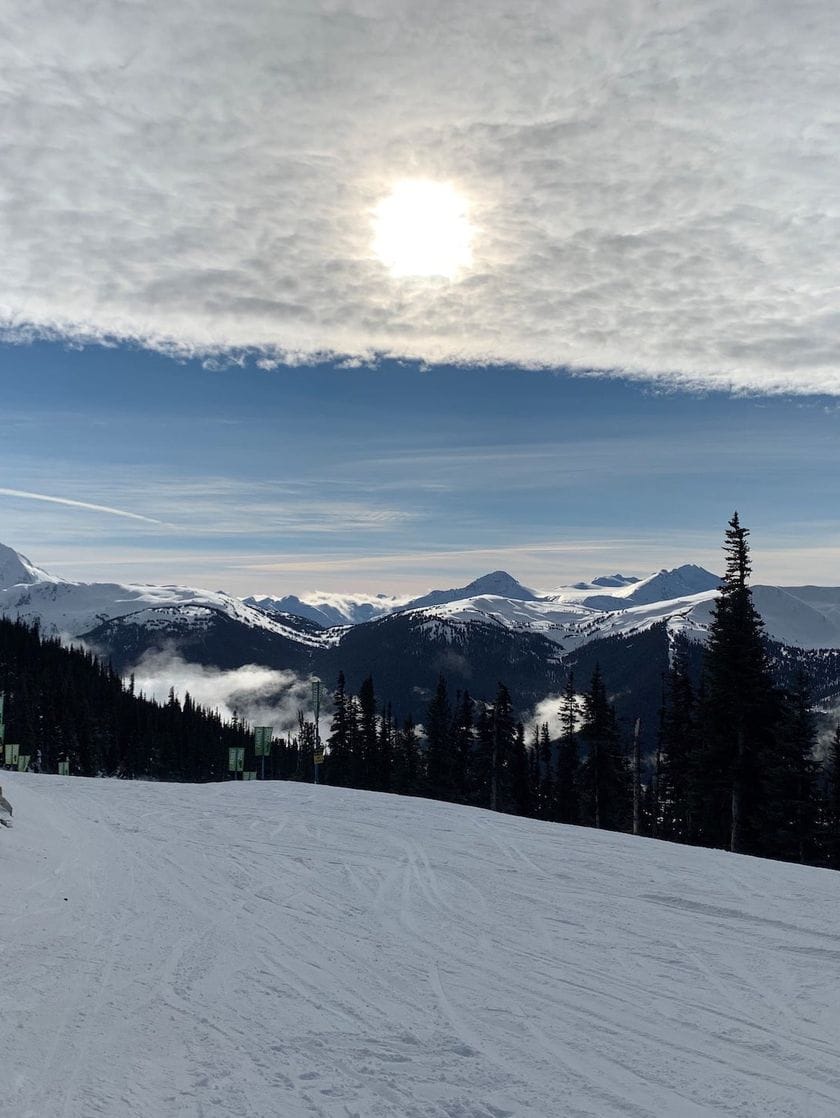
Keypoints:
pixel 287 951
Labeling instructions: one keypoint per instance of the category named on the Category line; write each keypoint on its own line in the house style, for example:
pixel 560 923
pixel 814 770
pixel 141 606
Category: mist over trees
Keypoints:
pixel 731 762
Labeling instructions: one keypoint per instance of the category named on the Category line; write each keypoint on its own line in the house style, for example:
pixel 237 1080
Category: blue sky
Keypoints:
pixel 396 478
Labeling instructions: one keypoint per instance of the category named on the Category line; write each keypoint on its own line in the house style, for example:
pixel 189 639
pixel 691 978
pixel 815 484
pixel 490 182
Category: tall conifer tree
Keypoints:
pixel 740 710
pixel 605 775
pixel 439 760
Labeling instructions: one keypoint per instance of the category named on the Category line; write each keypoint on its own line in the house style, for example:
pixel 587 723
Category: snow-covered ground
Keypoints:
pixel 288 951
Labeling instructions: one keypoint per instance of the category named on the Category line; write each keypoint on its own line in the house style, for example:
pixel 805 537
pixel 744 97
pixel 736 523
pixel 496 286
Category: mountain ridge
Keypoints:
pixel 528 641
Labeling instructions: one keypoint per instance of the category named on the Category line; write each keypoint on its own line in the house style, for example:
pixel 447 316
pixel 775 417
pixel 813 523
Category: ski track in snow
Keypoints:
pixel 286 951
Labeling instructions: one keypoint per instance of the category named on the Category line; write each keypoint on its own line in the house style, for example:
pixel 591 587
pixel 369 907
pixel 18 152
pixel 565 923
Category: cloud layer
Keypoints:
pixel 654 187
pixel 257 695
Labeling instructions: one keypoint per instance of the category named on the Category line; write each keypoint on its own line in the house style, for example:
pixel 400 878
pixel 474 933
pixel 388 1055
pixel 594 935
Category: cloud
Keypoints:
pixel 217 506
pixel 653 186
pixel 76 504
pixel 260 696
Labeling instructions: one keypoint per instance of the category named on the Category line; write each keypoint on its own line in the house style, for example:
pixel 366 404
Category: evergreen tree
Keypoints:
pixel 385 750
pixel 368 743
pixel 463 740
pixel 605 776
pixel 831 810
pixel 482 787
pixel 503 740
pixel 521 780
pixel 407 778
pixel 789 821
pixel 338 763
pixel 740 711
pixel 439 759
pixel 678 754
pixel 567 781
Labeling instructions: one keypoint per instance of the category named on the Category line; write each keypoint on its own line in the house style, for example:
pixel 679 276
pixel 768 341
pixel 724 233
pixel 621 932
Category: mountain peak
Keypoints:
pixel 17 570
pixel 498 584
pixel 676 582
pixel 614 580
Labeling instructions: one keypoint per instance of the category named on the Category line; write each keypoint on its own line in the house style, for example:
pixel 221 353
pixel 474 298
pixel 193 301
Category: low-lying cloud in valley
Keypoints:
pixel 258 695
pixel 652 187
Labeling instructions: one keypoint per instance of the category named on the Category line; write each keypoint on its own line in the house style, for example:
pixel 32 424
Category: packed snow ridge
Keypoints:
pixel 298 951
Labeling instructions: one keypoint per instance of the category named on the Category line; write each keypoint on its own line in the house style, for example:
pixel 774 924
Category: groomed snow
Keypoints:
pixel 286 951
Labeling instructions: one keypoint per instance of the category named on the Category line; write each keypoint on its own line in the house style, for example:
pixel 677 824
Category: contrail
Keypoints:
pixel 76 504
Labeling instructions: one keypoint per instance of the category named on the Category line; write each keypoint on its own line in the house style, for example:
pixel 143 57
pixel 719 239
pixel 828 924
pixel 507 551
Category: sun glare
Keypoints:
pixel 422 229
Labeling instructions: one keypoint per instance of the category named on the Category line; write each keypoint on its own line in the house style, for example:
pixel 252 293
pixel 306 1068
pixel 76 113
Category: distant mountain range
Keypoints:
pixel 492 629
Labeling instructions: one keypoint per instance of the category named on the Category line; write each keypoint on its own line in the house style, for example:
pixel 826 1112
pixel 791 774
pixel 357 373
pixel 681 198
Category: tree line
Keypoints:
pixel 63 705
pixel 733 765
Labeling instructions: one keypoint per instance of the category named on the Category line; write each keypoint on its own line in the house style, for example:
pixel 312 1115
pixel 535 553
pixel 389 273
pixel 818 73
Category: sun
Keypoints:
pixel 422 229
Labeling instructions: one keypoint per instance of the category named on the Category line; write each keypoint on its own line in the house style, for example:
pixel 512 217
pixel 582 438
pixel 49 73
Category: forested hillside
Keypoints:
pixel 63 705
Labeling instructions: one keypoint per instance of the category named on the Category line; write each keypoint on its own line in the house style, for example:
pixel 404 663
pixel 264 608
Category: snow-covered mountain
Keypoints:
pixel 497 583
pixel 328 609
pixel 17 570
pixel 73 609
pixel 281 950
pixel 806 617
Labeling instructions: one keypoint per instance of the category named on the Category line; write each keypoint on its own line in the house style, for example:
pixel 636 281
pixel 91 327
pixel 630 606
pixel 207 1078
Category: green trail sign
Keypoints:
pixel 63 768
pixel 249 774
pixel 262 740
pixel 12 754
pixel 23 762
pixel 236 759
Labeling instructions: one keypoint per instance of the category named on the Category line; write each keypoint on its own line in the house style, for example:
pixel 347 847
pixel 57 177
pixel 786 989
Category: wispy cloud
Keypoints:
pixel 214 507
pixel 653 186
pixel 69 502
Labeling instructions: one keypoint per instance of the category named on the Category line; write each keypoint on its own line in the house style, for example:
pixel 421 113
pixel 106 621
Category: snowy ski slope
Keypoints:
pixel 286 951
